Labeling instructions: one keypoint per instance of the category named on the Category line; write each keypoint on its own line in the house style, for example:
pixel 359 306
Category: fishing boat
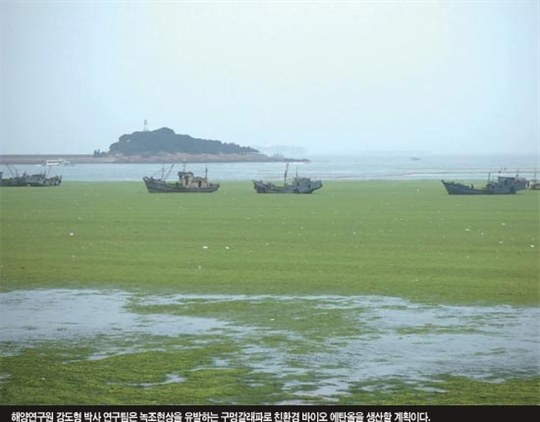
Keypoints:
pixel 187 183
pixel 38 179
pixel 504 185
pixel 296 185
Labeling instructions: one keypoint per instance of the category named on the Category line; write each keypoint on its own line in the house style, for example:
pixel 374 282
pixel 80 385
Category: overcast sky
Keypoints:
pixel 330 77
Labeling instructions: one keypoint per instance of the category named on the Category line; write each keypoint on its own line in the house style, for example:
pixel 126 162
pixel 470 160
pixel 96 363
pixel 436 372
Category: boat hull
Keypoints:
pixel 268 187
pixel 160 186
pixel 35 180
pixel 454 188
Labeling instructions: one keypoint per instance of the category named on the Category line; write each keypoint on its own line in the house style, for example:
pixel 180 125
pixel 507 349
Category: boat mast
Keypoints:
pixel 167 175
pixel 9 168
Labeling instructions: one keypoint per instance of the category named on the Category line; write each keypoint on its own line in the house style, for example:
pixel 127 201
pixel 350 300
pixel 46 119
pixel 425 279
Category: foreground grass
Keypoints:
pixel 401 239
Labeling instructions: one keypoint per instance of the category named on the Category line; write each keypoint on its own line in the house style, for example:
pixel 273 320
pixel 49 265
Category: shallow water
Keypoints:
pixel 352 167
pixel 392 338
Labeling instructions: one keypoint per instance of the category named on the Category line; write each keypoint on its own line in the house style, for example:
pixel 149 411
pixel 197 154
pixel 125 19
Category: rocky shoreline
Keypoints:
pixel 13 159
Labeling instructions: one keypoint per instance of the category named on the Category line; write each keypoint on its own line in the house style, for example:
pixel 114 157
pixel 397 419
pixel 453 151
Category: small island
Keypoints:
pixel 159 146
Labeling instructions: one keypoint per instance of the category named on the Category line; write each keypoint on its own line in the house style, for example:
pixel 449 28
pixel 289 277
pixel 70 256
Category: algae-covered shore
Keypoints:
pixel 376 292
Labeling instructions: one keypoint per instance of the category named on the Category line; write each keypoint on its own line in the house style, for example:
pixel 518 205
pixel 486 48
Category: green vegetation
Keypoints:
pixel 400 239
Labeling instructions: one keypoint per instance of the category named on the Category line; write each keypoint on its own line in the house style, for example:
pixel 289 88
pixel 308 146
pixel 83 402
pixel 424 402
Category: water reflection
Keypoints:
pixel 391 337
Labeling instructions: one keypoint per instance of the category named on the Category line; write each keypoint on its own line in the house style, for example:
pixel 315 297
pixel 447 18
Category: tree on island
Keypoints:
pixel 166 141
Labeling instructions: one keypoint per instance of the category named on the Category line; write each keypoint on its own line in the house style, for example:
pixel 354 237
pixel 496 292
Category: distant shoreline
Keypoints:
pixel 13 159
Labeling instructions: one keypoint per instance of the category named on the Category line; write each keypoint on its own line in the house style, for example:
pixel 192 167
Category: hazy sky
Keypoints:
pixel 339 77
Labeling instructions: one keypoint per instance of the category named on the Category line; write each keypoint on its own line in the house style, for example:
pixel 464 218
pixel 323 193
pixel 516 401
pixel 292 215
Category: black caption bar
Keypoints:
pixel 267 413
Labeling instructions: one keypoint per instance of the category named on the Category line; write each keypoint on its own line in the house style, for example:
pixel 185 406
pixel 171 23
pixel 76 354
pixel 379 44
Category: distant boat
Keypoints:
pixel 38 179
pixel 187 183
pixel 504 185
pixel 58 162
pixel 297 185
pixel 534 184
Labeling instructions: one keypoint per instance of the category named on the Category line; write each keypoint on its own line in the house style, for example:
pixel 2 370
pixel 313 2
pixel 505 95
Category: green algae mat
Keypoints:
pixel 373 292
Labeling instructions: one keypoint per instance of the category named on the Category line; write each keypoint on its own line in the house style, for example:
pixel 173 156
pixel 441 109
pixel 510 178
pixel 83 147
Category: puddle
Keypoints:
pixel 41 315
pixel 394 339
pixel 169 379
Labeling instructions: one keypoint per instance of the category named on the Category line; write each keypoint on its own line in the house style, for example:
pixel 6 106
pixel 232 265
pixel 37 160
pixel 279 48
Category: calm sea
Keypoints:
pixel 360 167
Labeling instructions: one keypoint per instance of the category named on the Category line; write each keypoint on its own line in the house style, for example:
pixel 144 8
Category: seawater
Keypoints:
pixel 389 338
pixel 355 167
